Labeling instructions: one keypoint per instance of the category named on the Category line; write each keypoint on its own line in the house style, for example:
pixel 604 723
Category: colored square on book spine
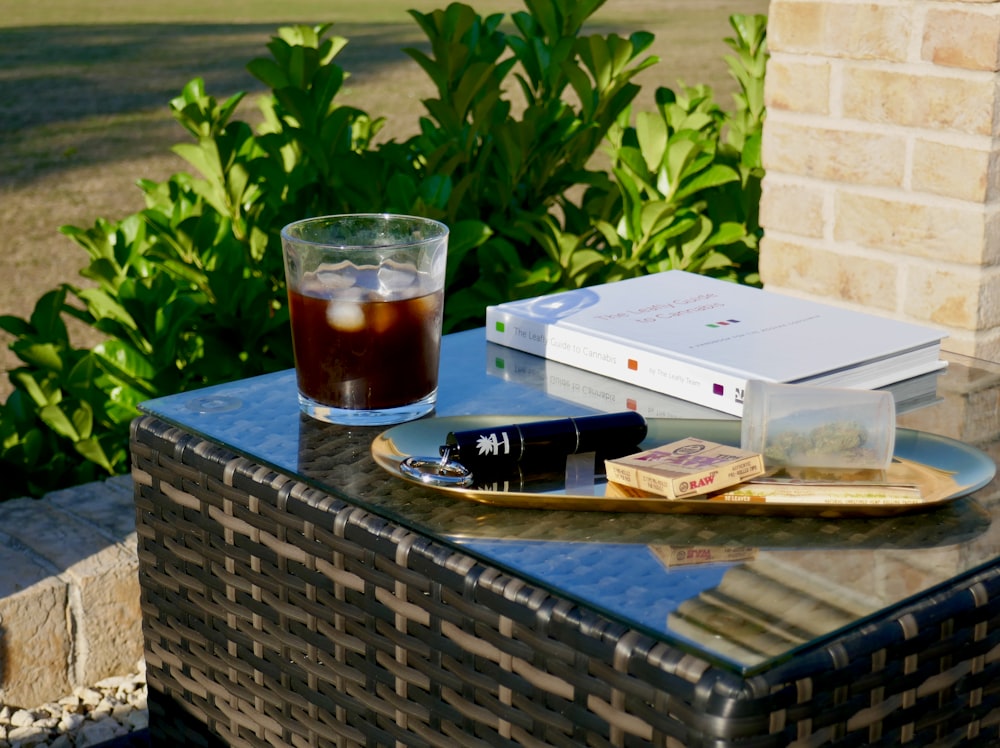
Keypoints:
pixel 500 327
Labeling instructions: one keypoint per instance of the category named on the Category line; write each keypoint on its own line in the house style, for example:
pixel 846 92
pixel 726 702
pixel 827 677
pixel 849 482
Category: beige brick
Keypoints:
pixel 108 580
pixel 796 85
pixel 938 102
pixel 792 208
pixel 963 300
pixel 955 171
pixel 961 38
pixel 795 27
pixel 110 627
pixel 834 154
pixel 35 640
pixel 938 231
pixel 984 344
pixel 963 343
pixel 828 274
pixel 108 506
pixel 102 577
pixel 863 31
pixel 62 540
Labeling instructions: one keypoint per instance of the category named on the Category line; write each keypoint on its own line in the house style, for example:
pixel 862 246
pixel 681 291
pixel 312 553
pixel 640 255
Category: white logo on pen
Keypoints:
pixel 490 445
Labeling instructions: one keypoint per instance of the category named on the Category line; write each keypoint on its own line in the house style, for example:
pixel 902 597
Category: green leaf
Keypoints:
pixel 38 391
pixel 651 132
pixel 83 374
pixel 83 420
pixel 751 155
pixel 203 158
pixel 15 326
pixel 268 72
pixel 465 236
pixel 726 233
pixel 436 190
pixel 103 306
pixel 123 361
pixel 641 41
pixel 91 449
pixel 714 176
pixel 45 356
pixel 47 316
pixel 53 417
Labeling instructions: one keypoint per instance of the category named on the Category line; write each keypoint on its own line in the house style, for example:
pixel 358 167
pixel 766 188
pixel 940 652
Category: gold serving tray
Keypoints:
pixel 969 469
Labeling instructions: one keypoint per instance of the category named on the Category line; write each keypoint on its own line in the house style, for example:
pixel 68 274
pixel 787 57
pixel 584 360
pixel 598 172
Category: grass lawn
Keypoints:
pixel 84 87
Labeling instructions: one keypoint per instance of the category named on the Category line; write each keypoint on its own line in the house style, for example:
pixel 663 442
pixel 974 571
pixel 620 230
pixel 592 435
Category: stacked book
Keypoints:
pixel 700 339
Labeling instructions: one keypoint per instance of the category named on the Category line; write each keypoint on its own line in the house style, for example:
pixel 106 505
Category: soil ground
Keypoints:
pixel 85 86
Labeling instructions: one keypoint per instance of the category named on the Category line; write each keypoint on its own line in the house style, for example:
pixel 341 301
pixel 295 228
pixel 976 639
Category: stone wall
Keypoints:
pixel 69 591
pixel 882 161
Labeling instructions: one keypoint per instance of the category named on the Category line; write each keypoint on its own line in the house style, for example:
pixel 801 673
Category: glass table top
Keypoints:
pixel 742 591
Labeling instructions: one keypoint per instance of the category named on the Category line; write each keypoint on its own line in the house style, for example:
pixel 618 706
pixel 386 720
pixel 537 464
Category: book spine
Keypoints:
pixel 701 482
pixel 655 371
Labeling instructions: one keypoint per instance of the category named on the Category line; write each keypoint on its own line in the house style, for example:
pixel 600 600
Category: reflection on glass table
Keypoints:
pixel 749 590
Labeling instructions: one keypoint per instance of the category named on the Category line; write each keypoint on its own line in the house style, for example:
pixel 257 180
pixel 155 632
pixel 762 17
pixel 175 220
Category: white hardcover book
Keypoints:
pixel 700 339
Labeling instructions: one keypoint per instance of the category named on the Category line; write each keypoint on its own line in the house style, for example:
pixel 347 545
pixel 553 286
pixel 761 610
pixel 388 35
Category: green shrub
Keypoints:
pixel 190 291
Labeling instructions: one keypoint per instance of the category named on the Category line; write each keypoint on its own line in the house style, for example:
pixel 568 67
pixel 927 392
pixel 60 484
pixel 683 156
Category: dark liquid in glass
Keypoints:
pixel 365 355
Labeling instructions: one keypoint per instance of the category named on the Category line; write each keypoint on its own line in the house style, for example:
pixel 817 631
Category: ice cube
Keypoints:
pixel 384 317
pixel 394 280
pixel 427 307
pixel 345 316
pixel 336 276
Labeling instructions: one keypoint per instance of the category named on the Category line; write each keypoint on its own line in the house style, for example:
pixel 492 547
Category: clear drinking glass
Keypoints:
pixel 366 295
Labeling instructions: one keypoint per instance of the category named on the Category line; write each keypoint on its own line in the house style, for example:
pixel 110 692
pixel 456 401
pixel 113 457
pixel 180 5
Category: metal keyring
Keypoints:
pixel 434 471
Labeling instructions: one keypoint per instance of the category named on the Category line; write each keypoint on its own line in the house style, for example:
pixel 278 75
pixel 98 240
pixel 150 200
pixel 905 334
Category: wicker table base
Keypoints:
pixel 277 614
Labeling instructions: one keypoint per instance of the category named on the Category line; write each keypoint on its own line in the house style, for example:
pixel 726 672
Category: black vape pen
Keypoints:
pixel 544 444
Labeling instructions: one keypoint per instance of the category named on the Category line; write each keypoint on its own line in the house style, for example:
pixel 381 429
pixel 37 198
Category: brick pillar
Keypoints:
pixel 883 161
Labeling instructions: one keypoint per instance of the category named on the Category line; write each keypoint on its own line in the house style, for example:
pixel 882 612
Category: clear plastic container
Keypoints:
pixel 819 427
